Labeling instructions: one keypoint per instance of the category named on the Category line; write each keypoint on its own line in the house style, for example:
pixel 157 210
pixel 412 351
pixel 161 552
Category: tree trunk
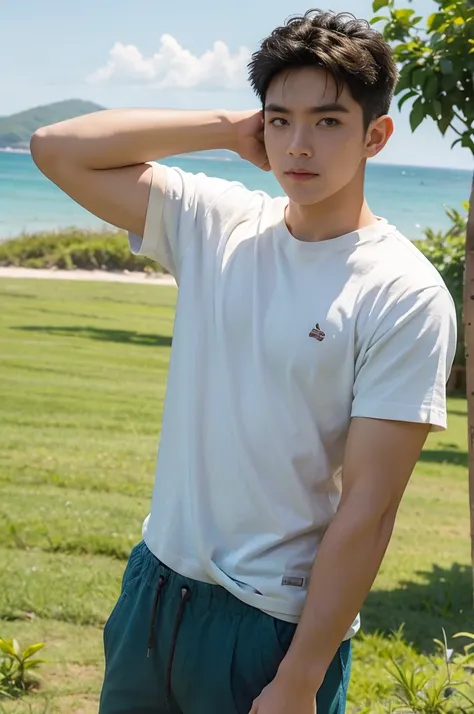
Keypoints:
pixel 469 335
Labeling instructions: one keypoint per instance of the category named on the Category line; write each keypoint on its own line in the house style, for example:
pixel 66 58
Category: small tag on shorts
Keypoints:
pixel 294 582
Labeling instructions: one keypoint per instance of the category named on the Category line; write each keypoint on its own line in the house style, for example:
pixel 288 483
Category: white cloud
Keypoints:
pixel 175 66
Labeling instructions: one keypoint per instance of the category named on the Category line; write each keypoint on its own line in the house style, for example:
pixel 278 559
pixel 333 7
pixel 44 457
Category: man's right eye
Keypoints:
pixel 281 121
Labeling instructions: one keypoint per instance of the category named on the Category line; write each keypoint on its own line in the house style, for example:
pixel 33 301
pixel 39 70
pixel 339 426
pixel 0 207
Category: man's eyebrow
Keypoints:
pixel 321 109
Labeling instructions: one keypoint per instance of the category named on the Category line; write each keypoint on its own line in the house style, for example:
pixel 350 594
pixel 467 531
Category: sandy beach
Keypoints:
pixel 88 275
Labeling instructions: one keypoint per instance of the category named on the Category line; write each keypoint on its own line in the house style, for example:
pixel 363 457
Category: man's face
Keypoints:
pixel 309 129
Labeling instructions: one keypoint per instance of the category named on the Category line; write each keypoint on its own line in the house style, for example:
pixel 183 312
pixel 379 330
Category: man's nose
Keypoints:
pixel 300 145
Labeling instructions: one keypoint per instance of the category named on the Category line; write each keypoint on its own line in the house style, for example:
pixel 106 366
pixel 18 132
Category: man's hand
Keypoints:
pixel 285 696
pixel 249 143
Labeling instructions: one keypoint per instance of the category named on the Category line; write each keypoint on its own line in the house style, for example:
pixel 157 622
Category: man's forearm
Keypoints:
pixel 342 575
pixel 117 138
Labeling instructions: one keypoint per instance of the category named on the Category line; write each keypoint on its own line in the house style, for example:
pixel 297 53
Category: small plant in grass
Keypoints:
pixel 16 666
pixel 443 686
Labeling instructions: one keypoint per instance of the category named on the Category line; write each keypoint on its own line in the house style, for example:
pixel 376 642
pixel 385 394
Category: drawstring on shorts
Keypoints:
pixel 151 637
pixel 185 597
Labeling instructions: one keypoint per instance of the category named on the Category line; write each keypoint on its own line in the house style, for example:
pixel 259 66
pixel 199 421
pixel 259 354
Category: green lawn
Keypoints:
pixel 82 381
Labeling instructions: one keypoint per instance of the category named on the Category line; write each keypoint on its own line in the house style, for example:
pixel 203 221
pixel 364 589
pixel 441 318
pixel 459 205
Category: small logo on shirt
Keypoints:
pixel 317 333
pixel 294 582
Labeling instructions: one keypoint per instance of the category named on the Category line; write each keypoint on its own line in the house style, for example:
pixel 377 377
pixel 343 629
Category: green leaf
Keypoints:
pixel 438 109
pixel 467 635
pixel 467 142
pixel 405 81
pixel 33 663
pixel 418 77
pixel 444 123
pixel 33 649
pixel 430 88
pixel 378 18
pixel 446 66
pixel 448 82
pixel 403 16
pixel 378 4
pixel 406 97
pixel 16 648
pixel 436 37
pixel 435 20
pixel 7 647
pixel 417 114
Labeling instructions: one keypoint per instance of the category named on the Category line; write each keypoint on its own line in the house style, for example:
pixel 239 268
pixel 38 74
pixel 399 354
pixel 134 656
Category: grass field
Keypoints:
pixel 82 380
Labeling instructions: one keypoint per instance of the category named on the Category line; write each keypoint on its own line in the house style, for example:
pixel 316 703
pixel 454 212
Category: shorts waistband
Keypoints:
pixel 207 594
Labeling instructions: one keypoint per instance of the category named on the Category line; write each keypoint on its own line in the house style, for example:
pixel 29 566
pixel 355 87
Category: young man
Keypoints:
pixel 311 349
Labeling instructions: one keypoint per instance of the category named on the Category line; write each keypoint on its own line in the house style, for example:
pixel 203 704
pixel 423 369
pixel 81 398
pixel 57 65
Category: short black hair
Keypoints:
pixel 355 54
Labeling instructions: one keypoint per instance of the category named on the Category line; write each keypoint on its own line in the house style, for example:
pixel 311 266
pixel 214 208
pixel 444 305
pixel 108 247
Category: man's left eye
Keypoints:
pixel 329 122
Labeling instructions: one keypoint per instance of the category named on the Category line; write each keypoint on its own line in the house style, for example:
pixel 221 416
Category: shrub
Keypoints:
pixel 446 250
pixel 74 249
pixel 445 684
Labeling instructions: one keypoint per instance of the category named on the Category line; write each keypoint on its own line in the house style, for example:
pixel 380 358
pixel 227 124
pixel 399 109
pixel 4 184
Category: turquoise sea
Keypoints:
pixel 410 197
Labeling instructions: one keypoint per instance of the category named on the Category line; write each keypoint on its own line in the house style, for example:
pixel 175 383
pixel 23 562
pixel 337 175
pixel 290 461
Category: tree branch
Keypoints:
pixel 459 133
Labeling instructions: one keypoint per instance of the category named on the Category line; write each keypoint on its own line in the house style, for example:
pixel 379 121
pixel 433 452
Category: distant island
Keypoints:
pixel 17 129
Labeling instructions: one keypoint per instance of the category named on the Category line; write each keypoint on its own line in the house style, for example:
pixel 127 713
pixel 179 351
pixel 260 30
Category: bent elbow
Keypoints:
pixel 42 148
pixel 38 142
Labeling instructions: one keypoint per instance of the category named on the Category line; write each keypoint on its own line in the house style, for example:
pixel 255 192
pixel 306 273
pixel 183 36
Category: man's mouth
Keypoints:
pixel 301 174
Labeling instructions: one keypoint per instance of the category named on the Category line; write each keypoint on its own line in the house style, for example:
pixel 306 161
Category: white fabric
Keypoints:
pixel 257 411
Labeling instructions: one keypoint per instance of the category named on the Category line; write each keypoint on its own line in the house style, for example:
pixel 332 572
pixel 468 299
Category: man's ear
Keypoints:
pixel 378 133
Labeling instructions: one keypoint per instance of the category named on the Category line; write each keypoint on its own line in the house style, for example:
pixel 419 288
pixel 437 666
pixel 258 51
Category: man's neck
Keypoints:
pixel 342 213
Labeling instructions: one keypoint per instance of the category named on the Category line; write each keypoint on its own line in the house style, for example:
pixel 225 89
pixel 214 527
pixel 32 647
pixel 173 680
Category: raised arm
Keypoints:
pixel 99 159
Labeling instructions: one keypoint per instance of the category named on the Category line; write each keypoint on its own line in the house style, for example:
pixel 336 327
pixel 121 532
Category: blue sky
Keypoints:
pixel 180 53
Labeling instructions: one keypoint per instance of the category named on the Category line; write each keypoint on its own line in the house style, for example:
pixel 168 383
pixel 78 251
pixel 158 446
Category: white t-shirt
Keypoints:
pixel 277 343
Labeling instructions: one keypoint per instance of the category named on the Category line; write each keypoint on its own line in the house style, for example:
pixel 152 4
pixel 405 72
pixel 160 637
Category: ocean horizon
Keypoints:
pixel 411 197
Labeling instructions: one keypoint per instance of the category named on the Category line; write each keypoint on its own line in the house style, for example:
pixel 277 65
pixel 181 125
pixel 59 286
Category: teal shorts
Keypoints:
pixel 177 646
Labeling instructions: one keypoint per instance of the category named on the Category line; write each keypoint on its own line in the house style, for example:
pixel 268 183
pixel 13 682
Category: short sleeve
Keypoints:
pixel 192 207
pixel 403 371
